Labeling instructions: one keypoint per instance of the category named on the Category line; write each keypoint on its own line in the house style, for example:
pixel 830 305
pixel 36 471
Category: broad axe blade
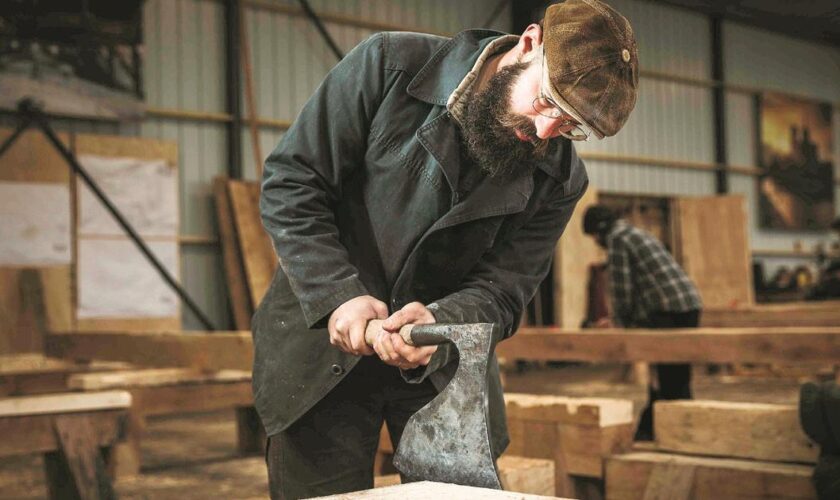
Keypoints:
pixel 448 440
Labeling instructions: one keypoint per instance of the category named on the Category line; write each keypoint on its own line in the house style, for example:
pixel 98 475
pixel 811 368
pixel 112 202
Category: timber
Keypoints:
pixel 825 313
pixel 701 345
pixel 658 475
pixel 760 431
pixel 197 350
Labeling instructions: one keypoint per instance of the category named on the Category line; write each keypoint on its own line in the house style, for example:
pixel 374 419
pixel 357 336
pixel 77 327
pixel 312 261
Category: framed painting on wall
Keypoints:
pixel 796 179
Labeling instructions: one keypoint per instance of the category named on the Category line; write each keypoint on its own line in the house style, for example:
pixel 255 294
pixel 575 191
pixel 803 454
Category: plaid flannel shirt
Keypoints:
pixel 644 277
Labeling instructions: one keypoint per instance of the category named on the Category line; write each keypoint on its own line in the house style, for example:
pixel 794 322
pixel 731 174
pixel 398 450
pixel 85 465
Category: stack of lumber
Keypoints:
pixel 577 434
pixel 249 257
pixel 714 449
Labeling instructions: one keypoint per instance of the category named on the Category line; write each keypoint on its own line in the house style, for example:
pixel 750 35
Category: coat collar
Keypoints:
pixel 441 75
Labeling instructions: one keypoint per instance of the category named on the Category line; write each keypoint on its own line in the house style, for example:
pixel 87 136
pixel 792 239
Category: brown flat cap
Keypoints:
pixel 593 65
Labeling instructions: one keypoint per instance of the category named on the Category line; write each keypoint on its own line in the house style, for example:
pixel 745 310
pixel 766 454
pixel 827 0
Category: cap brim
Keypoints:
pixel 571 110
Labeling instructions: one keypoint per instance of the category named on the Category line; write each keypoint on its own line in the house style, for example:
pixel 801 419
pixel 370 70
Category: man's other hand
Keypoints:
pixel 348 322
pixel 390 346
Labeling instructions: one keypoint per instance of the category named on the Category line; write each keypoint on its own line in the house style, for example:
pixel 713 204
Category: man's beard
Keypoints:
pixel 488 129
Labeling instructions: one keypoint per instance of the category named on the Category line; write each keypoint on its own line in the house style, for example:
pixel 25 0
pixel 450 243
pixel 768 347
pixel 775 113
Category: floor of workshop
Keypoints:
pixel 192 457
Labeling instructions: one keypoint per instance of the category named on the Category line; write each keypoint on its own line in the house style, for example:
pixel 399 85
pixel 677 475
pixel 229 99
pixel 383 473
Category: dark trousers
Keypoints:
pixel 674 379
pixel 331 448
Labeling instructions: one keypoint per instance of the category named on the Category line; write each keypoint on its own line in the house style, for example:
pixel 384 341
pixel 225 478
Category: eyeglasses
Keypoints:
pixel 546 106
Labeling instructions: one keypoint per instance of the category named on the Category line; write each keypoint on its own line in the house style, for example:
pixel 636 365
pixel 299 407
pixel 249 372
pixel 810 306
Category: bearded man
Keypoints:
pixel 426 180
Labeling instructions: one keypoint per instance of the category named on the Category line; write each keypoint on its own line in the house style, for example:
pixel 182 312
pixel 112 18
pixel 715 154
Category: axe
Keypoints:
pixel 448 440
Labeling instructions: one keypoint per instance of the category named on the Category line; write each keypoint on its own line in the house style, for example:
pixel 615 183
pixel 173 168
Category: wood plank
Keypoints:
pixel 197 350
pixel 759 431
pixel 34 433
pixel 723 271
pixel 668 481
pixel 702 345
pixel 259 259
pixel 166 400
pixel 627 477
pixel 424 490
pixel 598 412
pixel 64 403
pixel 152 377
pixel 237 287
pixel 574 253
pixel 790 314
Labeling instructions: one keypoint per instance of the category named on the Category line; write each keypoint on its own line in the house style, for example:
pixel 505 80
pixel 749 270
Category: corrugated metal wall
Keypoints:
pixel 671 121
pixel 184 70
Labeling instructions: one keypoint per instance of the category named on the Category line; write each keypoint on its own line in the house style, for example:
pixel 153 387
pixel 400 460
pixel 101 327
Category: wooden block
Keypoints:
pixel 527 475
pixel 742 430
pixel 427 489
pixel 629 477
pixel 600 412
pixel 386 480
pixel 169 399
pixel 385 444
pixel 151 377
pixel 198 350
pixel 576 433
pixel 690 345
pixel 64 403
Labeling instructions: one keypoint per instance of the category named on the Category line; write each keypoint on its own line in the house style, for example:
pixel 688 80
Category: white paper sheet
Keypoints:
pixel 34 224
pixel 116 280
pixel 144 191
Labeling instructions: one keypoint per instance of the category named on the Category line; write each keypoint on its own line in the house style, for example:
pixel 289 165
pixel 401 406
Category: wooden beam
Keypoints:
pixel 774 315
pixel 27 434
pixel 633 475
pixel 758 431
pixel 701 345
pixel 64 403
pixel 198 350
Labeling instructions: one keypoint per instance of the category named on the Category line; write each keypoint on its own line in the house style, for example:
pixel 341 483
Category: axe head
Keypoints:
pixel 448 440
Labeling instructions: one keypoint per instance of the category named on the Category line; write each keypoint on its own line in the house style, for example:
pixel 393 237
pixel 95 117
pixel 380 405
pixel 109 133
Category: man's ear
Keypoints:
pixel 530 41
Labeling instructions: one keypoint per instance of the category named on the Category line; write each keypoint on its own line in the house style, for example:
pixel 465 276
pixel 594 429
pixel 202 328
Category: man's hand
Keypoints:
pixel 348 322
pixel 390 346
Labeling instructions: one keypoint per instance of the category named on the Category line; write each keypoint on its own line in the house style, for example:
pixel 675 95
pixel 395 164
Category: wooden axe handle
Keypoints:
pixel 374 326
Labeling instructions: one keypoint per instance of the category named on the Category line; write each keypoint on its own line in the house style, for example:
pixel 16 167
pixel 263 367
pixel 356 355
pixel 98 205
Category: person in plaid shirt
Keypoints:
pixel 648 289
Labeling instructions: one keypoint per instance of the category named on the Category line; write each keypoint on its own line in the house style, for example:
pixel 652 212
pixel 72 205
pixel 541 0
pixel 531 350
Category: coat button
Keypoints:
pixel 336 369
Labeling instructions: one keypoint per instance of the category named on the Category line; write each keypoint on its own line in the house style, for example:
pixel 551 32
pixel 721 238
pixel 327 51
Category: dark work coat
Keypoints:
pixel 360 197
